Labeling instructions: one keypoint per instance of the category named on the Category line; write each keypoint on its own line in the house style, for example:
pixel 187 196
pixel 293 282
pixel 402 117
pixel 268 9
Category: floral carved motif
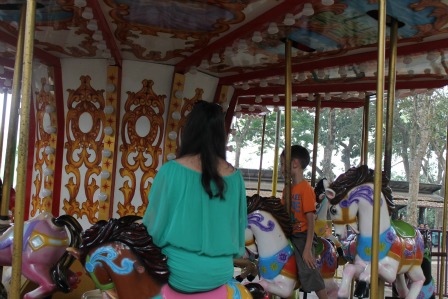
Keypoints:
pixel 140 153
pixel 84 146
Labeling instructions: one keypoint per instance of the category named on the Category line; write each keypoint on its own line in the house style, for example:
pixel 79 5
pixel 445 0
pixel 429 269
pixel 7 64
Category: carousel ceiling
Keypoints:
pixel 242 42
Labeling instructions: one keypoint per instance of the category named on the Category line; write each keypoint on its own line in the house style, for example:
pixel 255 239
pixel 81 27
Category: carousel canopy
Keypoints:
pixel 242 42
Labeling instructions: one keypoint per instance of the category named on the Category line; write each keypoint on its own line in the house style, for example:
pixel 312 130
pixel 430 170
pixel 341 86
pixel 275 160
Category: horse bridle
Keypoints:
pixel 345 216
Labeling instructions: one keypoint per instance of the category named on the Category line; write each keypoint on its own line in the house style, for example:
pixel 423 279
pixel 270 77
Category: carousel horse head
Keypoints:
pixel 269 229
pixel 400 244
pixel 44 257
pixel 122 259
pixel 348 189
pixel 322 225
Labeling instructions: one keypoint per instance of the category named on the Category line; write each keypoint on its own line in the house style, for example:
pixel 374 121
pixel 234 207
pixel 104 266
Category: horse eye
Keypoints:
pixel 333 210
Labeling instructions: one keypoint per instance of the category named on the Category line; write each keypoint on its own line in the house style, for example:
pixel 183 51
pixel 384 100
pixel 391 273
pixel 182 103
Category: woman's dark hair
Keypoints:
pixel 204 134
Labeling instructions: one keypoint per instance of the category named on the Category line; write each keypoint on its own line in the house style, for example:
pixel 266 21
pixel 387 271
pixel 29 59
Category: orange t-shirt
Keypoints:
pixel 303 201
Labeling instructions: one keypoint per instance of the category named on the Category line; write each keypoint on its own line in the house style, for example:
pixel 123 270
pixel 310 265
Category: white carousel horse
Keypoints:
pixel 268 226
pixel 401 245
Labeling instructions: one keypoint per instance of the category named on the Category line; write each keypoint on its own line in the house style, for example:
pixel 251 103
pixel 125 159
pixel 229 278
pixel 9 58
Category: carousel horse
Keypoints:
pixel 123 262
pixel 267 236
pixel 44 257
pixel 428 289
pixel 401 245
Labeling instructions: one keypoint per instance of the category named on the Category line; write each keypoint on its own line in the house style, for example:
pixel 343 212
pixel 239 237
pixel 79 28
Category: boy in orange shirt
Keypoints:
pixel 303 208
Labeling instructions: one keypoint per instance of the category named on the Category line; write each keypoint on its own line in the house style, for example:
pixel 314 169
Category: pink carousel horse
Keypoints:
pixel 401 245
pixel 267 236
pixel 44 257
pixel 123 262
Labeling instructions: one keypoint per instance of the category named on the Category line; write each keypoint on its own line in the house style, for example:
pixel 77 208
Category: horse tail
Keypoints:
pixel 59 270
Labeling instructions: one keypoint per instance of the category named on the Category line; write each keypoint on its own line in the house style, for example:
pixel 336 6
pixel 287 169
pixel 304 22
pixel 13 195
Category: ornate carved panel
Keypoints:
pixel 45 144
pixel 84 129
pixel 141 146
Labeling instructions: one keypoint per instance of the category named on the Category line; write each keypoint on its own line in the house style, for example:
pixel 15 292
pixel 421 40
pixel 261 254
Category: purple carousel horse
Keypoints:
pixel 44 257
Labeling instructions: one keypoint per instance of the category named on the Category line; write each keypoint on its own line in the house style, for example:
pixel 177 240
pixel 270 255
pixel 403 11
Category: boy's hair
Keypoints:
pixel 300 153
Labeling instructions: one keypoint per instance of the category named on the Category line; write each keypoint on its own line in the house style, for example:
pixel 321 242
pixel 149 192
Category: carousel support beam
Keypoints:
pixel 391 97
pixel 374 283
pixel 276 151
pixel 442 281
pixel 261 154
pixel 23 147
pixel 2 125
pixel 10 154
pixel 365 131
pixel 288 105
pixel 316 139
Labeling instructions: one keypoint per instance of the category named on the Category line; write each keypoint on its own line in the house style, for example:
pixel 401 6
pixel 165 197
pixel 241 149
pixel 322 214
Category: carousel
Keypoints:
pixel 95 94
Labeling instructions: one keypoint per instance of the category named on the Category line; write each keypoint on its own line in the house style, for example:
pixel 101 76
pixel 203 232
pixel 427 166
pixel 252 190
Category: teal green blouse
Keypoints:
pixel 200 236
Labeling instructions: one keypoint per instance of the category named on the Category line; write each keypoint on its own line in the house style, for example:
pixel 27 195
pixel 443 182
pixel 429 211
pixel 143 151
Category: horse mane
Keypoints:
pixel 356 176
pixel 273 206
pixel 132 234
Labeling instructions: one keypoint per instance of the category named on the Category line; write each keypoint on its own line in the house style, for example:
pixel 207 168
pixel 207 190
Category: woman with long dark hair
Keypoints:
pixel 197 210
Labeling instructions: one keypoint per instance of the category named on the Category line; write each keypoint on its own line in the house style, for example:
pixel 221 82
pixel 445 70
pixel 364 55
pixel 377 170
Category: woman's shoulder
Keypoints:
pixel 225 168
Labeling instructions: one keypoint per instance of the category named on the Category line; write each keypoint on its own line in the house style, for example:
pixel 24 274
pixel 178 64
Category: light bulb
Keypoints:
pixel 263 83
pixel 258 99
pixel 327 2
pixel 87 13
pixel 204 64
pixel 105 174
pixel 215 58
pixel 272 29
pixel 289 19
pixel 308 9
pixel 256 37
pixel 92 25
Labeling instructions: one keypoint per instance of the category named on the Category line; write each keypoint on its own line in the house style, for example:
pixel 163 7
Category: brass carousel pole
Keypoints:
pixel 261 155
pixel 276 150
pixel 288 104
pixel 10 154
pixel 391 98
pixel 445 221
pixel 365 131
pixel 316 139
pixel 374 287
pixel 23 148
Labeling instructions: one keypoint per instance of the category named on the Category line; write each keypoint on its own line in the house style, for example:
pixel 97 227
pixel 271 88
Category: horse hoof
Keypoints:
pixel 239 278
pixel 250 277
pixel 361 290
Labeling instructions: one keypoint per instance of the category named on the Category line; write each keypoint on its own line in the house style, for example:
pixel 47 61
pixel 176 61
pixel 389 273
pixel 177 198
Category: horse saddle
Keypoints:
pixel 403 229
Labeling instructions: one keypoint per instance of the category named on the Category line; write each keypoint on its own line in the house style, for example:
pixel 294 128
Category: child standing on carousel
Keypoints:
pixel 303 208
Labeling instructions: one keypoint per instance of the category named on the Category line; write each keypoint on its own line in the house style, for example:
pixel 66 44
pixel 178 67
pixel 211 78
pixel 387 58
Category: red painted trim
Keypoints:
pixel 38 53
pixel 59 151
pixel 30 159
pixel 108 36
pixel 7 62
pixel 334 103
pixel 341 87
pixel 335 61
pixel 245 30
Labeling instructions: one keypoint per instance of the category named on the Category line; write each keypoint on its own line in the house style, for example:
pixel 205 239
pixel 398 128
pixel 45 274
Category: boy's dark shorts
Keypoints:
pixel 310 279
